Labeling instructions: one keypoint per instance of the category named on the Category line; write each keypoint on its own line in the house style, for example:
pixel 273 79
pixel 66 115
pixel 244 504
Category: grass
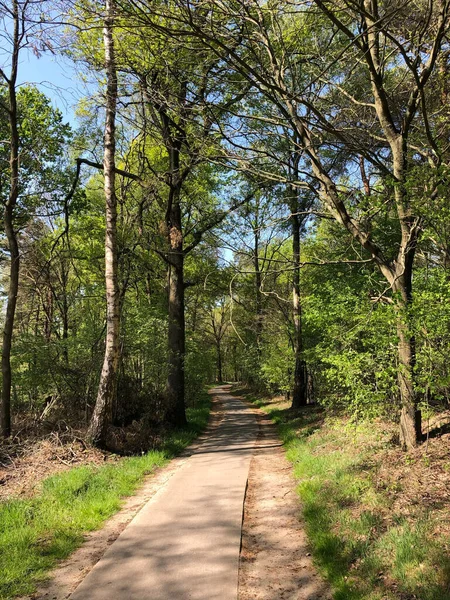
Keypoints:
pixel 363 547
pixel 35 533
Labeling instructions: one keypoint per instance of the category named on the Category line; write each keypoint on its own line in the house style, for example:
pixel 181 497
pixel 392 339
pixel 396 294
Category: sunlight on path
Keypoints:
pixel 184 544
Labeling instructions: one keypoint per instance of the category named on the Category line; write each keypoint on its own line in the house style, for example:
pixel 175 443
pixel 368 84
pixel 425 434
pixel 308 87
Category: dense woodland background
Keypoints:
pixel 276 178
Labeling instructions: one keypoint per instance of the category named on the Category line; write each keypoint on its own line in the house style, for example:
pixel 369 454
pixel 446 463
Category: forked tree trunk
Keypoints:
pixel 300 391
pixel 101 416
pixel 11 236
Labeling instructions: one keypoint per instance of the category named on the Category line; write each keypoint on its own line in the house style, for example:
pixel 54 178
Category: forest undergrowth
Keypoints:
pixel 48 521
pixel 377 519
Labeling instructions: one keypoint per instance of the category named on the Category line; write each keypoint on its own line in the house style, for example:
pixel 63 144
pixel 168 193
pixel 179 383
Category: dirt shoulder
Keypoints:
pixel 275 561
pixel 377 518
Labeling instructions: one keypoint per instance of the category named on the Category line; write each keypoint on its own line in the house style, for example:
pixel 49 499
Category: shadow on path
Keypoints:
pixel 184 543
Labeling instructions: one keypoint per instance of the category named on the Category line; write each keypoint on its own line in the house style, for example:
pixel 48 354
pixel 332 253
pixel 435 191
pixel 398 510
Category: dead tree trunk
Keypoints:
pixel 107 386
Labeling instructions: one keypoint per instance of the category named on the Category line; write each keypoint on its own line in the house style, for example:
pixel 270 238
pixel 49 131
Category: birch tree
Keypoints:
pixel 106 389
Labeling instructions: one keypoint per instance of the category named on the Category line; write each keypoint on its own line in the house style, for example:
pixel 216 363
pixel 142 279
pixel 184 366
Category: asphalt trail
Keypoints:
pixel 184 543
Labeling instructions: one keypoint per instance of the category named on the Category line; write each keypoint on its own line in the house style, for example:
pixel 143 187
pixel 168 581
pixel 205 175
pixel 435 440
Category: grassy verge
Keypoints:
pixel 36 532
pixel 373 535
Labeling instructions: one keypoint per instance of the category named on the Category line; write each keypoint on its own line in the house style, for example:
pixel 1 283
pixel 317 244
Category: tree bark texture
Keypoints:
pixel 258 283
pixel 101 416
pixel 11 235
pixel 410 417
pixel 300 391
pixel 13 288
pixel 176 412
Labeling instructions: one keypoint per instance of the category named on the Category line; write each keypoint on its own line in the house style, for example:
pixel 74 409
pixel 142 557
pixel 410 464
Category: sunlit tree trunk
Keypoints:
pixel 410 418
pixel 106 390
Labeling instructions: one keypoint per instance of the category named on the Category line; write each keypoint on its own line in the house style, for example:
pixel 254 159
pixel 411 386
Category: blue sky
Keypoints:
pixel 56 77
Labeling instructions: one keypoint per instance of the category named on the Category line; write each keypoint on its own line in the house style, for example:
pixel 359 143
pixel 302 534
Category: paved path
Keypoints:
pixel 184 544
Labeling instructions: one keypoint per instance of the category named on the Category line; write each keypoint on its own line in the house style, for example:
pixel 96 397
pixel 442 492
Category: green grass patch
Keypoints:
pixel 364 549
pixel 37 532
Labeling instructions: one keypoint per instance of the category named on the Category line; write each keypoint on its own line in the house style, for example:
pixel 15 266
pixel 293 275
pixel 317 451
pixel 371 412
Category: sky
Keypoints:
pixel 56 78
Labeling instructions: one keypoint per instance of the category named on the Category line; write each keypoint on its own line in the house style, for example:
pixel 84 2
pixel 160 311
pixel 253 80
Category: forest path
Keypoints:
pixel 185 542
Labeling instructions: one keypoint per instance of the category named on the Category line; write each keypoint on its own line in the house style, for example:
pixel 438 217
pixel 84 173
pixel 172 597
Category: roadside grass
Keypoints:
pixel 37 532
pixel 364 544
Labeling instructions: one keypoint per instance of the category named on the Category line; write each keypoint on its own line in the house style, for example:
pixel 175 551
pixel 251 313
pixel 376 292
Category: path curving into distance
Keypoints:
pixel 184 543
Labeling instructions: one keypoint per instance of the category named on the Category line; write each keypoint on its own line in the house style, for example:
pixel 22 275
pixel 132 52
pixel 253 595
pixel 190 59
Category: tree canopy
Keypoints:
pixel 272 182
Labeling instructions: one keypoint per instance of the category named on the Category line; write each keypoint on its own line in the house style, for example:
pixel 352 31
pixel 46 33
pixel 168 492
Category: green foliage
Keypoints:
pixel 277 365
pixel 43 143
pixel 431 313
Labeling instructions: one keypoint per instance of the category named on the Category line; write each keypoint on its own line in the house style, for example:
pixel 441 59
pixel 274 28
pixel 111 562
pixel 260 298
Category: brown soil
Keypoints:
pixel 418 482
pixel 24 463
pixel 275 560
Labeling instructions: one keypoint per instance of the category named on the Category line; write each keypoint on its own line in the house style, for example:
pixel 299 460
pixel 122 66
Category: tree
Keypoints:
pixel 282 69
pixel 9 205
pixel 107 386
pixel 173 90
pixel 35 139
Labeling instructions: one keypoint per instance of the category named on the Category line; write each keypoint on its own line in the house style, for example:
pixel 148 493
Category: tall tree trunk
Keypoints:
pixel 258 282
pixel 11 236
pixel 410 418
pixel 176 412
pixel 102 411
pixel 219 362
pixel 65 312
pixel 300 392
pixel 401 280
pixel 5 414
